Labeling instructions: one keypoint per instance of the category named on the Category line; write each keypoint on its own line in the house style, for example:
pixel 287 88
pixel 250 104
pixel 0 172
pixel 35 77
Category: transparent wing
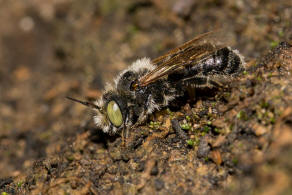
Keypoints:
pixel 190 53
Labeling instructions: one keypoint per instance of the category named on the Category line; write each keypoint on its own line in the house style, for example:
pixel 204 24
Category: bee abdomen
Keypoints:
pixel 213 71
pixel 232 61
pixel 225 61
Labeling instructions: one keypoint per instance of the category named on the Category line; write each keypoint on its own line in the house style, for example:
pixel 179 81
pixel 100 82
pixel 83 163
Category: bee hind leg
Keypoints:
pixel 218 81
pixel 211 81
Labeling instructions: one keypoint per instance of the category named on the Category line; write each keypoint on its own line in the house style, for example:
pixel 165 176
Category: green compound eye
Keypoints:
pixel 114 113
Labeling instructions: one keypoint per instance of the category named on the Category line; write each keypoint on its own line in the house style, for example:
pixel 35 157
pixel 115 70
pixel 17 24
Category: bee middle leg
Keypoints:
pixel 142 119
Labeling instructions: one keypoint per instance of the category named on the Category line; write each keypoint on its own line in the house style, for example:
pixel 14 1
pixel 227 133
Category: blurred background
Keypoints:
pixel 52 49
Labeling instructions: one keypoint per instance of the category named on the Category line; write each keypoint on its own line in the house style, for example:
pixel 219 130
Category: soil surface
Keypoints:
pixel 232 140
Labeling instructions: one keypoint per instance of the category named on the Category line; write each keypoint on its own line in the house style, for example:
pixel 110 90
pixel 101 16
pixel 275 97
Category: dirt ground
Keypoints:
pixel 236 140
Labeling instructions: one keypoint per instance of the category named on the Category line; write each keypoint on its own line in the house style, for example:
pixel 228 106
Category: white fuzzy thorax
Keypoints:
pixel 137 66
pixel 143 63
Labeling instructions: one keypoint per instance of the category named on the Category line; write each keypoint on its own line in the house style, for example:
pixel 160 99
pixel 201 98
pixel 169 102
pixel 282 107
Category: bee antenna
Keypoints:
pixel 85 103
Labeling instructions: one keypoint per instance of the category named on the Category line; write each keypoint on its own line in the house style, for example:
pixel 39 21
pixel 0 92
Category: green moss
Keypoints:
pixel 109 6
pixel 217 130
pixel 190 142
pixel 270 75
pixel 214 104
pixel 4 193
pixel 274 44
pixel 70 157
pixel 227 95
pixel 45 135
pixel 154 125
pixel 264 104
pixel 132 29
pixel 242 115
pixel 206 129
pixel 186 126
pixel 281 33
pixel 19 184
pixel 235 161
pixel 259 116
pixel 272 120
pixel 196 117
pixel 142 132
pixel 169 112
pixel 240 145
pixel 259 78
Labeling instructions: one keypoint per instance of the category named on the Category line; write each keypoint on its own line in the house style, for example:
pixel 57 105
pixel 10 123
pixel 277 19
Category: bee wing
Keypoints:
pixel 190 53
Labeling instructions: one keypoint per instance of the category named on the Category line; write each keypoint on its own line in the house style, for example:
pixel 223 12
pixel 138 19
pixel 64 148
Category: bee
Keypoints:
pixel 150 85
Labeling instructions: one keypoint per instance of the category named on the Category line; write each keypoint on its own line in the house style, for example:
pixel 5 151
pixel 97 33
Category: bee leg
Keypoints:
pixel 141 120
pixel 218 81
pixel 179 132
pixel 191 92
pixel 196 81
pixel 125 132
pixel 124 136
pixel 211 81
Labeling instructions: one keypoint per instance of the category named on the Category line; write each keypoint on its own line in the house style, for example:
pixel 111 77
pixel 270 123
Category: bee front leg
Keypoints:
pixel 125 135
pixel 124 132
pixel 127 126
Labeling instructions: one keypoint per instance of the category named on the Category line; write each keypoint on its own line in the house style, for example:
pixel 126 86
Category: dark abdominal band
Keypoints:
pixel 222 62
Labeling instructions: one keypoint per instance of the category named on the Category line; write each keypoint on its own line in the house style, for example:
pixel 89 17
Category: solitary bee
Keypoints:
pixel 147 86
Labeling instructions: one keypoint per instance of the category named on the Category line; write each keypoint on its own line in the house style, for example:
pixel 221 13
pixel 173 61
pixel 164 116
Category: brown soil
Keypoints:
pixel 238 139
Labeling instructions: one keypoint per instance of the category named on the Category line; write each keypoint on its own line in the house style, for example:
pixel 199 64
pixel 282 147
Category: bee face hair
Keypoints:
pixel 120 92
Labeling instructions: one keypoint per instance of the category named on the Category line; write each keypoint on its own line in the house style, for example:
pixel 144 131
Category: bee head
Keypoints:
pixel 111 112
pixel 112 116
pixel 113 108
